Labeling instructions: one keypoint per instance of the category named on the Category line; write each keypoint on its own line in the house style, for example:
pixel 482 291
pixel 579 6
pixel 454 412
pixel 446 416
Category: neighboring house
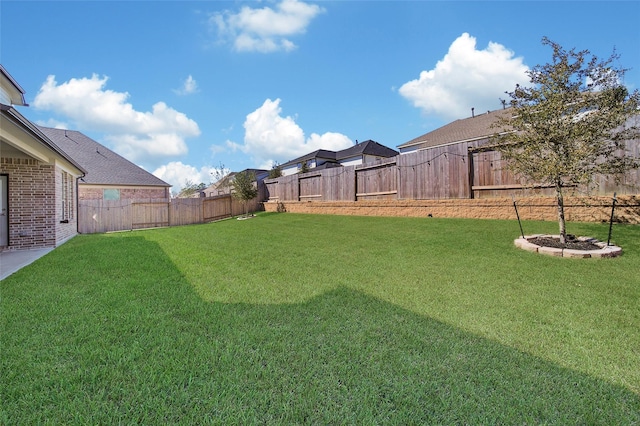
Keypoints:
pixel 38 180
pixel 363 152
pixel 221 187
pixel 109 176
pixel 225 185
pixel 466 130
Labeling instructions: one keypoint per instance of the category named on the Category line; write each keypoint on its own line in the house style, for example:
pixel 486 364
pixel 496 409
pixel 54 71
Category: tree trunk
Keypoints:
pixel 561 221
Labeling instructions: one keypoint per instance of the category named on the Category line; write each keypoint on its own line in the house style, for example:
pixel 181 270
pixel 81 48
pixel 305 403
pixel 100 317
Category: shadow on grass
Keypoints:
pixel 129 340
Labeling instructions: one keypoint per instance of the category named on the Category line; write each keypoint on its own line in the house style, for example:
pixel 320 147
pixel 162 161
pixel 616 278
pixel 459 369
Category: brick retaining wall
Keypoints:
pixel 577 209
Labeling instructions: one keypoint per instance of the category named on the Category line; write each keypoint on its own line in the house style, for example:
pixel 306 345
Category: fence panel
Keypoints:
pixel 185 211
pixel 283 188
pixel 151 214
pixel 216 208
pixel 629 183
pixel 338 184
pixel 310 187
pixel 271 190
pixel 491 178
pixel 97 216
pixel 432 174
pixel 377 180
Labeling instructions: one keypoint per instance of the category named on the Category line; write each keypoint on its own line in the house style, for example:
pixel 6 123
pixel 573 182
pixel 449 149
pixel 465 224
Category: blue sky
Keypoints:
pixel 181 88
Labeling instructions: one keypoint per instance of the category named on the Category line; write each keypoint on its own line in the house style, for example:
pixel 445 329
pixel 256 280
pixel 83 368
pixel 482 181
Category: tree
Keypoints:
pixel 275 172
pixel 244 188
pixel 219 173
pixel 571 124
pixel 190 189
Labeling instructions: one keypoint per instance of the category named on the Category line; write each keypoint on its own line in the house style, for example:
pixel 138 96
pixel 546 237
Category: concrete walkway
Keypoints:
pixel 11 261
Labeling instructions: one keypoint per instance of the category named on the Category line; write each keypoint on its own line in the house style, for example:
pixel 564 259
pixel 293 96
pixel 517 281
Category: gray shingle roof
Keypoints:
pixel 367 147
pixel 103 166
pixel 319 153
pixel 457 131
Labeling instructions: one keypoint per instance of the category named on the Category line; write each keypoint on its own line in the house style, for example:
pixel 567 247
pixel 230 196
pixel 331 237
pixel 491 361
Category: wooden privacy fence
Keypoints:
pixel 464 170
pixel 97 216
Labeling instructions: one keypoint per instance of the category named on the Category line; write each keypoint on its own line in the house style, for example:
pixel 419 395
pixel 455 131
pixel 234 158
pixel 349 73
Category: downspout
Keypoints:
pixel 78 202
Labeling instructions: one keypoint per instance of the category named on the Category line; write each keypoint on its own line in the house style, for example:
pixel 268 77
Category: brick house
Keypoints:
pixel 38 181
pixel 108 176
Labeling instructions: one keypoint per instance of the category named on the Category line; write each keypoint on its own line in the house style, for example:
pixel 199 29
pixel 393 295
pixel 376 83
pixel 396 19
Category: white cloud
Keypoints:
pixel 266 29
pixel 178 174
pixel 270 137
pixel 466 78
pixel 53 123
pixel 151 135
pixel 189 86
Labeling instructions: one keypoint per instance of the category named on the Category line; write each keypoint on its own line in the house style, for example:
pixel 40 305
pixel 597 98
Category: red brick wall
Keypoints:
pixel 32 203
pixel 126 193
pixel 142 193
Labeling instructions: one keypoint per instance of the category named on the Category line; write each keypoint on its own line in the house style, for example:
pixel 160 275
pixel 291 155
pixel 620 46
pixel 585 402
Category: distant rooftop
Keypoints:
pixel 367 147
pixel 476 127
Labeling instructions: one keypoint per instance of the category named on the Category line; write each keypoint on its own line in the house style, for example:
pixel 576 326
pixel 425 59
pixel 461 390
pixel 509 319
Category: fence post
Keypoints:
pixel 355 183
pixel 517 215
pixel 613 208
pixel 470 173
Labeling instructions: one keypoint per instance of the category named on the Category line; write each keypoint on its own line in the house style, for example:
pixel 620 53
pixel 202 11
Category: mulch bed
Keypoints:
pixel 572 243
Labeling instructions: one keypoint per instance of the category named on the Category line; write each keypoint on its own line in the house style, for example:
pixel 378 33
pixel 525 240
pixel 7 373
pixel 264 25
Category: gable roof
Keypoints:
pixel 103 166
pixel 367 147
pixel 319 153
pixel 465 129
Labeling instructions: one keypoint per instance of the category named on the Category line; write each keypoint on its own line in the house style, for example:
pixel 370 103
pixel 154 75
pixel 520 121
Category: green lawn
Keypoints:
pixel 286 319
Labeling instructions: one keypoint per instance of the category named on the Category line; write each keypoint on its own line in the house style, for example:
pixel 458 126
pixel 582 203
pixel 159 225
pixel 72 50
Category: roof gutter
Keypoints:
pixel 20 119
pixel 451 143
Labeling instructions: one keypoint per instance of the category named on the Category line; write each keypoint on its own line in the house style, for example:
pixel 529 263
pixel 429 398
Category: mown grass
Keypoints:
pixel 323 319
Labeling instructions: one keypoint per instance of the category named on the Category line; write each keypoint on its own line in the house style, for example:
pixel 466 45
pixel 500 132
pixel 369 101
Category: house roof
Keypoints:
pixel 11 113
pixel 103 166
pixel 11 87
pixel 259 173
pixel 367 147
pixel 465 129
pixel 319 153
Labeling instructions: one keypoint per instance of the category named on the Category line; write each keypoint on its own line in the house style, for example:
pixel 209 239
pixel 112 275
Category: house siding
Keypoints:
pixel 32 203
pixel 352 161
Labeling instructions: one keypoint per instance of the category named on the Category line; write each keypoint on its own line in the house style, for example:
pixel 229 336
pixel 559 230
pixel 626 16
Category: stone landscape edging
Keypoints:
pixel 604 251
